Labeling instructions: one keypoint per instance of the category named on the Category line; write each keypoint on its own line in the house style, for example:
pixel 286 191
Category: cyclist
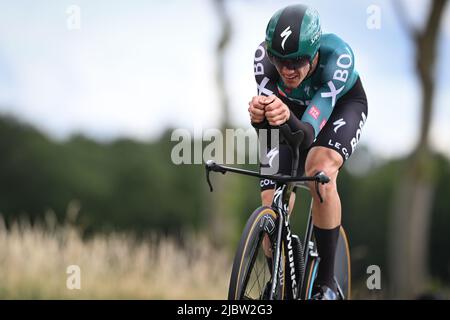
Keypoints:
pixel 307 79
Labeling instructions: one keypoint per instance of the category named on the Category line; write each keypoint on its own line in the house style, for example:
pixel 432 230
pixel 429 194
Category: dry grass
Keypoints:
pixel 34 259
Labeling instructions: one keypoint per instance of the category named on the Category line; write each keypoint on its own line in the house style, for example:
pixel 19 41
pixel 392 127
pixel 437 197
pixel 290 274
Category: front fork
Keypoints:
pixel 279 277
pixel 276 260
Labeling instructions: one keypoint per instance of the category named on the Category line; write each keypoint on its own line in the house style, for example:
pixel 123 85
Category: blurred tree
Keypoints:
pixel 412 207
pixel 220 223
pixel 121 185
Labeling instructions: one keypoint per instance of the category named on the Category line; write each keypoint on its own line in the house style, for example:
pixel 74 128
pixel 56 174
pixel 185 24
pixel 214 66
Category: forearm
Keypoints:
pixel 260 125
pixel 296 125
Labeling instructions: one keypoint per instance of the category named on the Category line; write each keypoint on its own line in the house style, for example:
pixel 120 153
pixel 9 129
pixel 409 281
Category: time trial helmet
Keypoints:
pixel 293 33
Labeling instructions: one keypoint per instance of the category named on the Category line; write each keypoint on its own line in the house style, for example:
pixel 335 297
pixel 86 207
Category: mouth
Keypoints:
pixel 291 78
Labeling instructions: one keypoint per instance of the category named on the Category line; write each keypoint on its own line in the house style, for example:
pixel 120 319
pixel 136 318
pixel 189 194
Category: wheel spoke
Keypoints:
pixel 257 276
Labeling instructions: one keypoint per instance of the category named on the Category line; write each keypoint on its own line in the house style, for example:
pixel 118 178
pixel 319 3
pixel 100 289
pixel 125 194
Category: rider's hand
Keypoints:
pixel 256 109
pixel 277 113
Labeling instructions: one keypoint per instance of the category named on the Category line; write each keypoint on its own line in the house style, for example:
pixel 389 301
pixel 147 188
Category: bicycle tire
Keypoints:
pixel 310 274
pixel 342 264
pixel 247 252
pixel 342 269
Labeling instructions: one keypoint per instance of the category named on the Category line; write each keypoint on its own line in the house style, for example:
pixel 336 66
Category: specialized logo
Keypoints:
pixel 291 259
pixel 278 200
pixel 285 34
pixel 315 37
pixel 268 224
pixel 314 112
pixel 307 88
pixel 339 123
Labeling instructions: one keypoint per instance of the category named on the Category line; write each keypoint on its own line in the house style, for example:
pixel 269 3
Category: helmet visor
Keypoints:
pixel 291 64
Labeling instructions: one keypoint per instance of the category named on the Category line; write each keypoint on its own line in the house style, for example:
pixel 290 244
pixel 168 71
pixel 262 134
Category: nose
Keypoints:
pixel 288 71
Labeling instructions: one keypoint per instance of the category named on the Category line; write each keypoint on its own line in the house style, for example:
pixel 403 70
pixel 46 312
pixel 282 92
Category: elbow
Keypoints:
pixel 309 135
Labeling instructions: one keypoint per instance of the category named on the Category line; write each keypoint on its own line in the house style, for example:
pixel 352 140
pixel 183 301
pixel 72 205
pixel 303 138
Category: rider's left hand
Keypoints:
pixel 276 112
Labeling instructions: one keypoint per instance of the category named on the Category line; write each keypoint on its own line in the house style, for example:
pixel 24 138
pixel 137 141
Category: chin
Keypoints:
pixel 292 84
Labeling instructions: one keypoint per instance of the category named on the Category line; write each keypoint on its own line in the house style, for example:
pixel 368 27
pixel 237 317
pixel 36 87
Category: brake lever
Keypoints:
pixel 211 165
pixel 208 170
pixel 321 178
pixel 318 191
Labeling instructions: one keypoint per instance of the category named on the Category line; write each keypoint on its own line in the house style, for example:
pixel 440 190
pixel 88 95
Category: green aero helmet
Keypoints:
pixel 294 32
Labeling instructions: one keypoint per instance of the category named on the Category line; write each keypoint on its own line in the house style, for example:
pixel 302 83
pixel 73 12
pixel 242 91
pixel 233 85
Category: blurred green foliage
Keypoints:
pixel 126 185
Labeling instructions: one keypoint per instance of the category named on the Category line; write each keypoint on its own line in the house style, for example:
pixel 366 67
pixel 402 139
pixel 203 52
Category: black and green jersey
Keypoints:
pixel 314 100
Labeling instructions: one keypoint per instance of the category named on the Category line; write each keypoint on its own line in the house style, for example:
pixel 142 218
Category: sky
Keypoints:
pixel 136 68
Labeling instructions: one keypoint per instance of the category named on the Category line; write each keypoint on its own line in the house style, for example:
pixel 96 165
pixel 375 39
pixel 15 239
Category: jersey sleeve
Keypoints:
pixel 338 76
pixel 266 77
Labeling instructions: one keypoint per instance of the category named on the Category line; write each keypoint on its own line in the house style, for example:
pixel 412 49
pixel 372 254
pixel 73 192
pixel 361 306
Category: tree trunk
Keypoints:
pixel 409 234
pixel 413 202
pixel 220 219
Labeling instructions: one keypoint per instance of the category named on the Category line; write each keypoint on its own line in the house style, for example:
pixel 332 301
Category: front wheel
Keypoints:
pixel 251 277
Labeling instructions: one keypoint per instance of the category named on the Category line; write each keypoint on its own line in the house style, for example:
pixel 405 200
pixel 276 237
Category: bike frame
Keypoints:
pixel 280 205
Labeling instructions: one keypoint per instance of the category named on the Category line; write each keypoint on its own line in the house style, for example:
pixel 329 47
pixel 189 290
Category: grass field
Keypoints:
pixel 34 261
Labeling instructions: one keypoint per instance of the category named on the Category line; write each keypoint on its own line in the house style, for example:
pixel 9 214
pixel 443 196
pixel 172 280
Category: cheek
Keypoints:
pixel 304 71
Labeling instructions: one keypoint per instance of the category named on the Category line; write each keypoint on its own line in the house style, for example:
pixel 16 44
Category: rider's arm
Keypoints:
pixel 266 77
pixel 296 125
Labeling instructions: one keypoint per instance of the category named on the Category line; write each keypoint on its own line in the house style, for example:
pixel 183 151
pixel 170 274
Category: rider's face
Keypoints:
pixel 292 78
pixel 293 71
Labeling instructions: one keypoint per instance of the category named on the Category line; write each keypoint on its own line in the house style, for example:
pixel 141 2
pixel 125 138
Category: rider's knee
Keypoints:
pixel 329 162
pixel 325 189
pixel 266 197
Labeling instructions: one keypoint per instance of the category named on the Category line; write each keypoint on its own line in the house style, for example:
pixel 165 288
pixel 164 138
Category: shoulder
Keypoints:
pixel 336 54
pixel 334 49
pixel 263 68
pixel 330 43
pixel 262 63
pixel 337 62
pixel 260 52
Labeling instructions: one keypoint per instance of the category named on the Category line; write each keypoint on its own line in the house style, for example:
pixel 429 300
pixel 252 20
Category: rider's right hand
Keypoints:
pixel 256 109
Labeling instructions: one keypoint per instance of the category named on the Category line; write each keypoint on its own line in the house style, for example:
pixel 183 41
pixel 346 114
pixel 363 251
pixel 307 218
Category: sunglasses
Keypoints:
pixel 291 64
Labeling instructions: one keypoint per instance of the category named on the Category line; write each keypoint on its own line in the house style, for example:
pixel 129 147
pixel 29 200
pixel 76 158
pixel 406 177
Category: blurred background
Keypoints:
pixel 91 92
